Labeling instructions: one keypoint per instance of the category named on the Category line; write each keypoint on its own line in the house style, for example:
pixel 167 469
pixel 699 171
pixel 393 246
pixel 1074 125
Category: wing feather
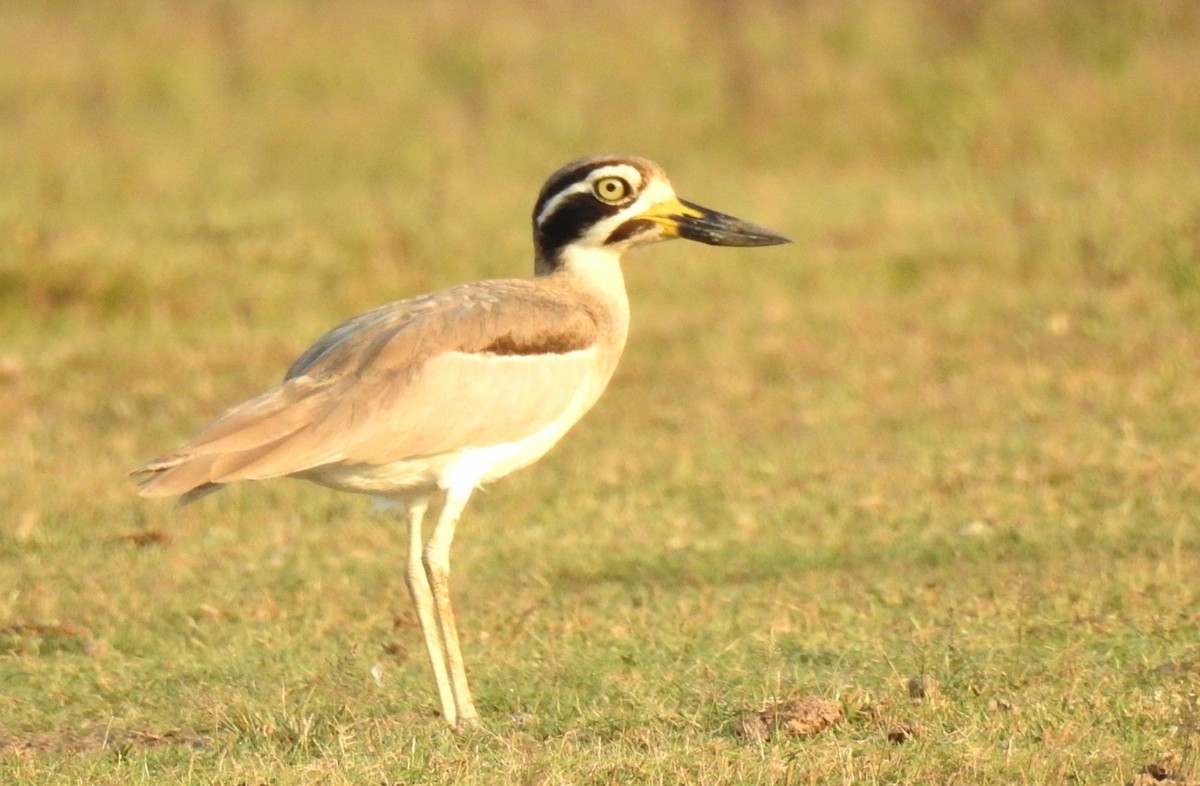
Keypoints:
pixel 476 365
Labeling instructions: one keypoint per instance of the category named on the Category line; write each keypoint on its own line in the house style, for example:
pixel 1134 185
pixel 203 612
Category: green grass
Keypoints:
pixel 950 434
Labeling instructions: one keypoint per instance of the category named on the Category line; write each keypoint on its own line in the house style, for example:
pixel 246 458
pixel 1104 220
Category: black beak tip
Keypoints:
pixel 732 233
pixel 719 229
pixel 775 239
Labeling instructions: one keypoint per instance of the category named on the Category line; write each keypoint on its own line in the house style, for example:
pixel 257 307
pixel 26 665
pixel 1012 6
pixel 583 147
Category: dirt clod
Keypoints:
pixel 902 733
pixel 802 716
pixel 1155 773
pixel 922 687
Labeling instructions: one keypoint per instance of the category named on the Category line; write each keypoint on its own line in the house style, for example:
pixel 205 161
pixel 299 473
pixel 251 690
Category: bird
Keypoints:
pixel 438 394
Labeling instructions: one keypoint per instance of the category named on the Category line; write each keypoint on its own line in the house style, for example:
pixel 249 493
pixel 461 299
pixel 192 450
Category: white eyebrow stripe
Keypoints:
pixel 625 171
pixel 553 203
pixel 619 170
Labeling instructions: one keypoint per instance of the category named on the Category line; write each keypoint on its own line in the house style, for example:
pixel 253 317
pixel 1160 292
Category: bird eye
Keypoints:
pixel 611 189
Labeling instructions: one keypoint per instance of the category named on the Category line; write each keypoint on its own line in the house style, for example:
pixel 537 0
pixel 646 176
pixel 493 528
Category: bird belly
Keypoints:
pixel 483 465
pixel 468 467
pixel 459 469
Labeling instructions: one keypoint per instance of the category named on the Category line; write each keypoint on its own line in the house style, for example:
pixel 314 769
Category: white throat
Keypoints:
pixel 599 269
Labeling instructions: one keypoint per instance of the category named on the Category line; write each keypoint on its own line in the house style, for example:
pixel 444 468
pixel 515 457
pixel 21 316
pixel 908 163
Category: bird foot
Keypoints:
pixel 465 725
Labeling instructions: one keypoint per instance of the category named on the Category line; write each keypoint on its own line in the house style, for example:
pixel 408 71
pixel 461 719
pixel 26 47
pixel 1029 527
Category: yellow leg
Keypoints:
pixel 418 587
pixel 437 569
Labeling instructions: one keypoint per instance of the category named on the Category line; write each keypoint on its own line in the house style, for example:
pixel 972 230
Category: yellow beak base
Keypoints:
pixel 693 222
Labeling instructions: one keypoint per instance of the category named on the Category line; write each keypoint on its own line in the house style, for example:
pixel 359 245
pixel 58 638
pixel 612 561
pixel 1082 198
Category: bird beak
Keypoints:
pixel 693 222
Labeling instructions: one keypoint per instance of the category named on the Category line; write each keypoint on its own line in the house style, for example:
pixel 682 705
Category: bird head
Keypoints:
pixel 613 203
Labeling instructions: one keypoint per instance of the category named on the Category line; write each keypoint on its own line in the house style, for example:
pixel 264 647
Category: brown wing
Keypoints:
pixel 476 365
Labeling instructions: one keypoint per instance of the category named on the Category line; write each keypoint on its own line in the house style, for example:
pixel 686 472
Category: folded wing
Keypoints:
pixel 474 366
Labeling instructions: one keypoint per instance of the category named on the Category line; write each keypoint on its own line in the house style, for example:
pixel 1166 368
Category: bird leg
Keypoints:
pixel 437 569
pixel 418 588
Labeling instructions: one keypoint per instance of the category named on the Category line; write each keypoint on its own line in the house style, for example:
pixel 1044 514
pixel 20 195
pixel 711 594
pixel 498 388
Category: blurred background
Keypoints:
pixel 214 183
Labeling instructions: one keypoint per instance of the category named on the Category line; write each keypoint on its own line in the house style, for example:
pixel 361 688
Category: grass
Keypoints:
pixel 946 440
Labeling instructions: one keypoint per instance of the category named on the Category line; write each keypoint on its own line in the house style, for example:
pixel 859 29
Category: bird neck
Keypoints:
pixel 595 272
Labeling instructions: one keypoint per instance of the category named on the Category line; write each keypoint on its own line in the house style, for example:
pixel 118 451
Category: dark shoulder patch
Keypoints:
pixel 549 344
pixel 546 326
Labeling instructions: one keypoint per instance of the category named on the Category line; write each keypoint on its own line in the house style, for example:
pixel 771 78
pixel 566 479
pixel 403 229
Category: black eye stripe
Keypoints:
pixel 561 183
pixel 572 203
pixel 573 175
pixel 571 219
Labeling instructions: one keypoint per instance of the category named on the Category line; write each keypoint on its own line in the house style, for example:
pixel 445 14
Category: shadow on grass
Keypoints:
pixel 765 563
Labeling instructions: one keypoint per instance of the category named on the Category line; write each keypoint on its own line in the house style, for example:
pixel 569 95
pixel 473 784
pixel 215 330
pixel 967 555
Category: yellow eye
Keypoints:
pixel 611 189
